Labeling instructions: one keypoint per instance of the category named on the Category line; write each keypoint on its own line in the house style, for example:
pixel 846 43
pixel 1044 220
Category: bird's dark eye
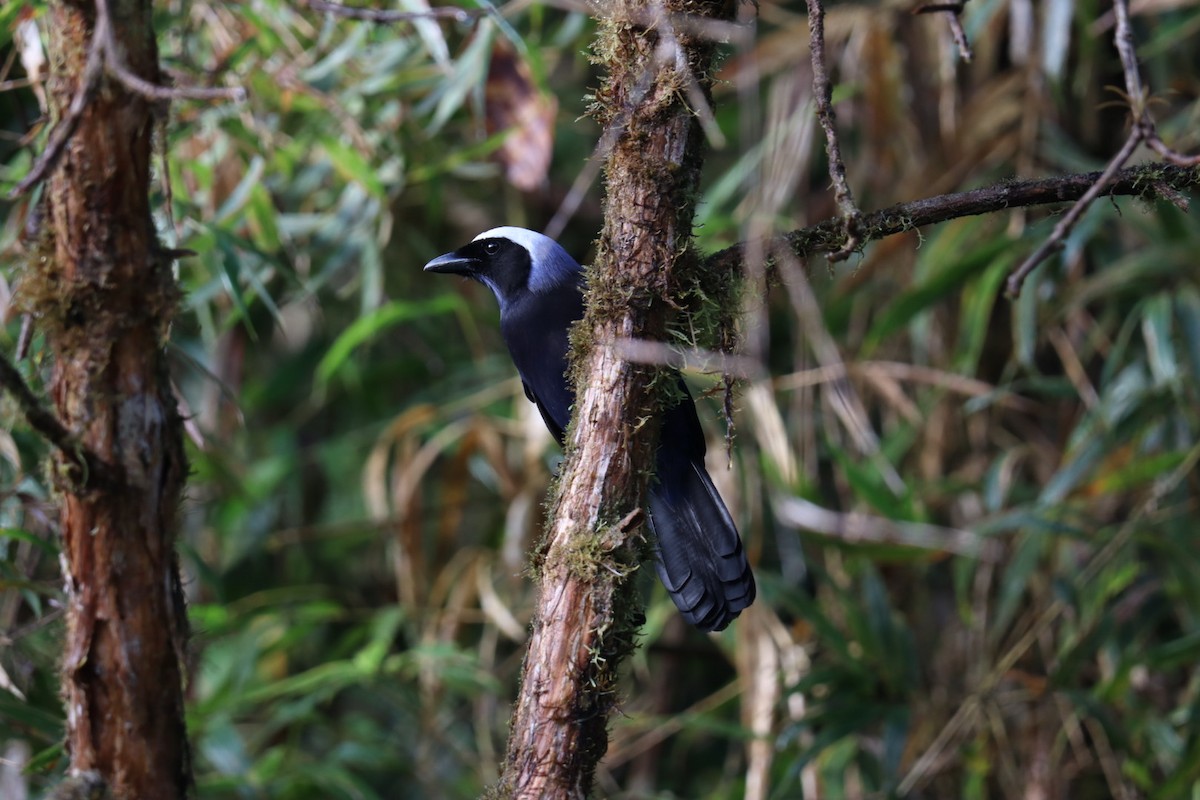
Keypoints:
pixel 491 248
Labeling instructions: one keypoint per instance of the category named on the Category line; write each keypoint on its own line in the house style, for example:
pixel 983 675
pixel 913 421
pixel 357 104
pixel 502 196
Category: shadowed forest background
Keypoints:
pixel 973 518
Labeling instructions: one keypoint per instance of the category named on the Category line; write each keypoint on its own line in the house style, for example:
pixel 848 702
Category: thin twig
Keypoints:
pixel 16 83
pixel 608 140
pixel 139 85
pixel 104 56
pixel 960 35
pixel 24 337
pixel 1143 130
pixel 49 426
pixel 152 91
pixel 56 144
pixel 388 17
pixel 668 52
pixel 823 94
pixel 1064 226
pixel 1123 38
pixel 953 12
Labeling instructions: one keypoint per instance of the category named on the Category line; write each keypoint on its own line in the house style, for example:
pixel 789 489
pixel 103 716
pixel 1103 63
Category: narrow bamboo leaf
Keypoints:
pixel 1156 330
pixel 22 716
pixel 1013 583
pixel 469 74
pixel 979 298
pixel 1180 652
pixel 353 166
pixel 1078 467
pixel 1187 307
pixel 367 327
pixel 241 193
pixel 261 214
pixel 20 535
pixel 429 31
pixel 936 287
pixel 230 266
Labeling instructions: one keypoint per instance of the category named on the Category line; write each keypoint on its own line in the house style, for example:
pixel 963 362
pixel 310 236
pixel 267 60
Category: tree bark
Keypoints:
pixel 104 293
pixel 588 612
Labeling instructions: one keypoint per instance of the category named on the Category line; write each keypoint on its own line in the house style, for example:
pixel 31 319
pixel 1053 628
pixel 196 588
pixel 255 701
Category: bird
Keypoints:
pixel 698 553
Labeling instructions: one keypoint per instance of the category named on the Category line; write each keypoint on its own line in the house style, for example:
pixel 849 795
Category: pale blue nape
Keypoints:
pixel 550 265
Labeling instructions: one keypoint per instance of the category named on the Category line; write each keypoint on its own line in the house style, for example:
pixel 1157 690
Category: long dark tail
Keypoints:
pixel 700 556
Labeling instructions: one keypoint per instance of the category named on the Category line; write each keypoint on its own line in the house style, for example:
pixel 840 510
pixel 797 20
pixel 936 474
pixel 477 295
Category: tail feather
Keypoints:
pixel 700 561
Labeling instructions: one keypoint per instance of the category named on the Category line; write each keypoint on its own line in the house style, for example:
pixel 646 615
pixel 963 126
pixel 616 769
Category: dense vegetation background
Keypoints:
pixel 973 519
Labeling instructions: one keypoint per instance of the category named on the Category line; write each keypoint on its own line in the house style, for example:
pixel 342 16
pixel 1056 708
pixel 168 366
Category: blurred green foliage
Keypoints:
pixel 1007 599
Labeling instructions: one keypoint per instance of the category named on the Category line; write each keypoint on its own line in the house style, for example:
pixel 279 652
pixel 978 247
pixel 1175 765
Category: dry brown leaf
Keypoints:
pixel 514 103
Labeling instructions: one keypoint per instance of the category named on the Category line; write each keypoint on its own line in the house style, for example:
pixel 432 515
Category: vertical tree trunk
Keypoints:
pixel 105 293
pixel 587 615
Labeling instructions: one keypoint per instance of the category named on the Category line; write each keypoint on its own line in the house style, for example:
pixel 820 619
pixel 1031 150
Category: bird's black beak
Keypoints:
pixel 453 264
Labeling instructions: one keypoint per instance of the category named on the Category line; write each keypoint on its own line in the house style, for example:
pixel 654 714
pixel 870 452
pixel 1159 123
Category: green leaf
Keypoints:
pixel 41 542
pixel 241 193
pixel 367 327
pixel 1156 330
pixel 951 270
pixel 353 166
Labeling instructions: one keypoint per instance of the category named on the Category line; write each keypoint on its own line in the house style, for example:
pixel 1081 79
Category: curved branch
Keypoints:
pixel 91 470
pixel 1153 181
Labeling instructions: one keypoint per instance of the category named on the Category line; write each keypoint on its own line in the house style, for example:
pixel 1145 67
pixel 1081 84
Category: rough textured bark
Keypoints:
pixel 104 294
pixel 587 614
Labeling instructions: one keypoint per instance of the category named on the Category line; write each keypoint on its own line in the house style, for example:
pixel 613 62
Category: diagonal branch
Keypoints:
pixel 1143 131
pixel 65 129
pixel 50 427
pixel 1058 236
pixel 823 95
pixel 829 236
pixel 104 56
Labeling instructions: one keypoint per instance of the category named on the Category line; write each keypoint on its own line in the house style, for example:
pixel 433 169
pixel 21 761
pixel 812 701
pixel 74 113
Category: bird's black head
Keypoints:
pixel 512 262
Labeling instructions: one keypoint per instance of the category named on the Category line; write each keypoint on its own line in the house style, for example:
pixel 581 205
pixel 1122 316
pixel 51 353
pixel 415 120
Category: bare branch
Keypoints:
pixel 1123 39
pixel 953 12
pixel 1143 123
pixel 823 93
pixel 104 56
pixel 1149 181
pixel 608 139
pixel 139 85
pixel 49 426
pixel 65 129
pixel 153 91
pixel 25 337
pixel 668 52
pixel 960 35
pixel 854 527
pixel 1064 226
pixel 1143 130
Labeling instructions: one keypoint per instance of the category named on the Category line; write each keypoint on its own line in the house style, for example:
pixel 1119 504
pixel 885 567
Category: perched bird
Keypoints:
pixel 540 290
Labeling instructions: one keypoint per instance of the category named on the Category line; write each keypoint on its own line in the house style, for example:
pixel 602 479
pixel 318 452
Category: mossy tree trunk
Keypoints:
pixel 587 613
pixel 104 295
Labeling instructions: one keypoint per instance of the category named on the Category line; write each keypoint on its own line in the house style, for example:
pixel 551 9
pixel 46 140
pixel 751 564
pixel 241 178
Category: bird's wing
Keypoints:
pixel 556 430
pixel 536 331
